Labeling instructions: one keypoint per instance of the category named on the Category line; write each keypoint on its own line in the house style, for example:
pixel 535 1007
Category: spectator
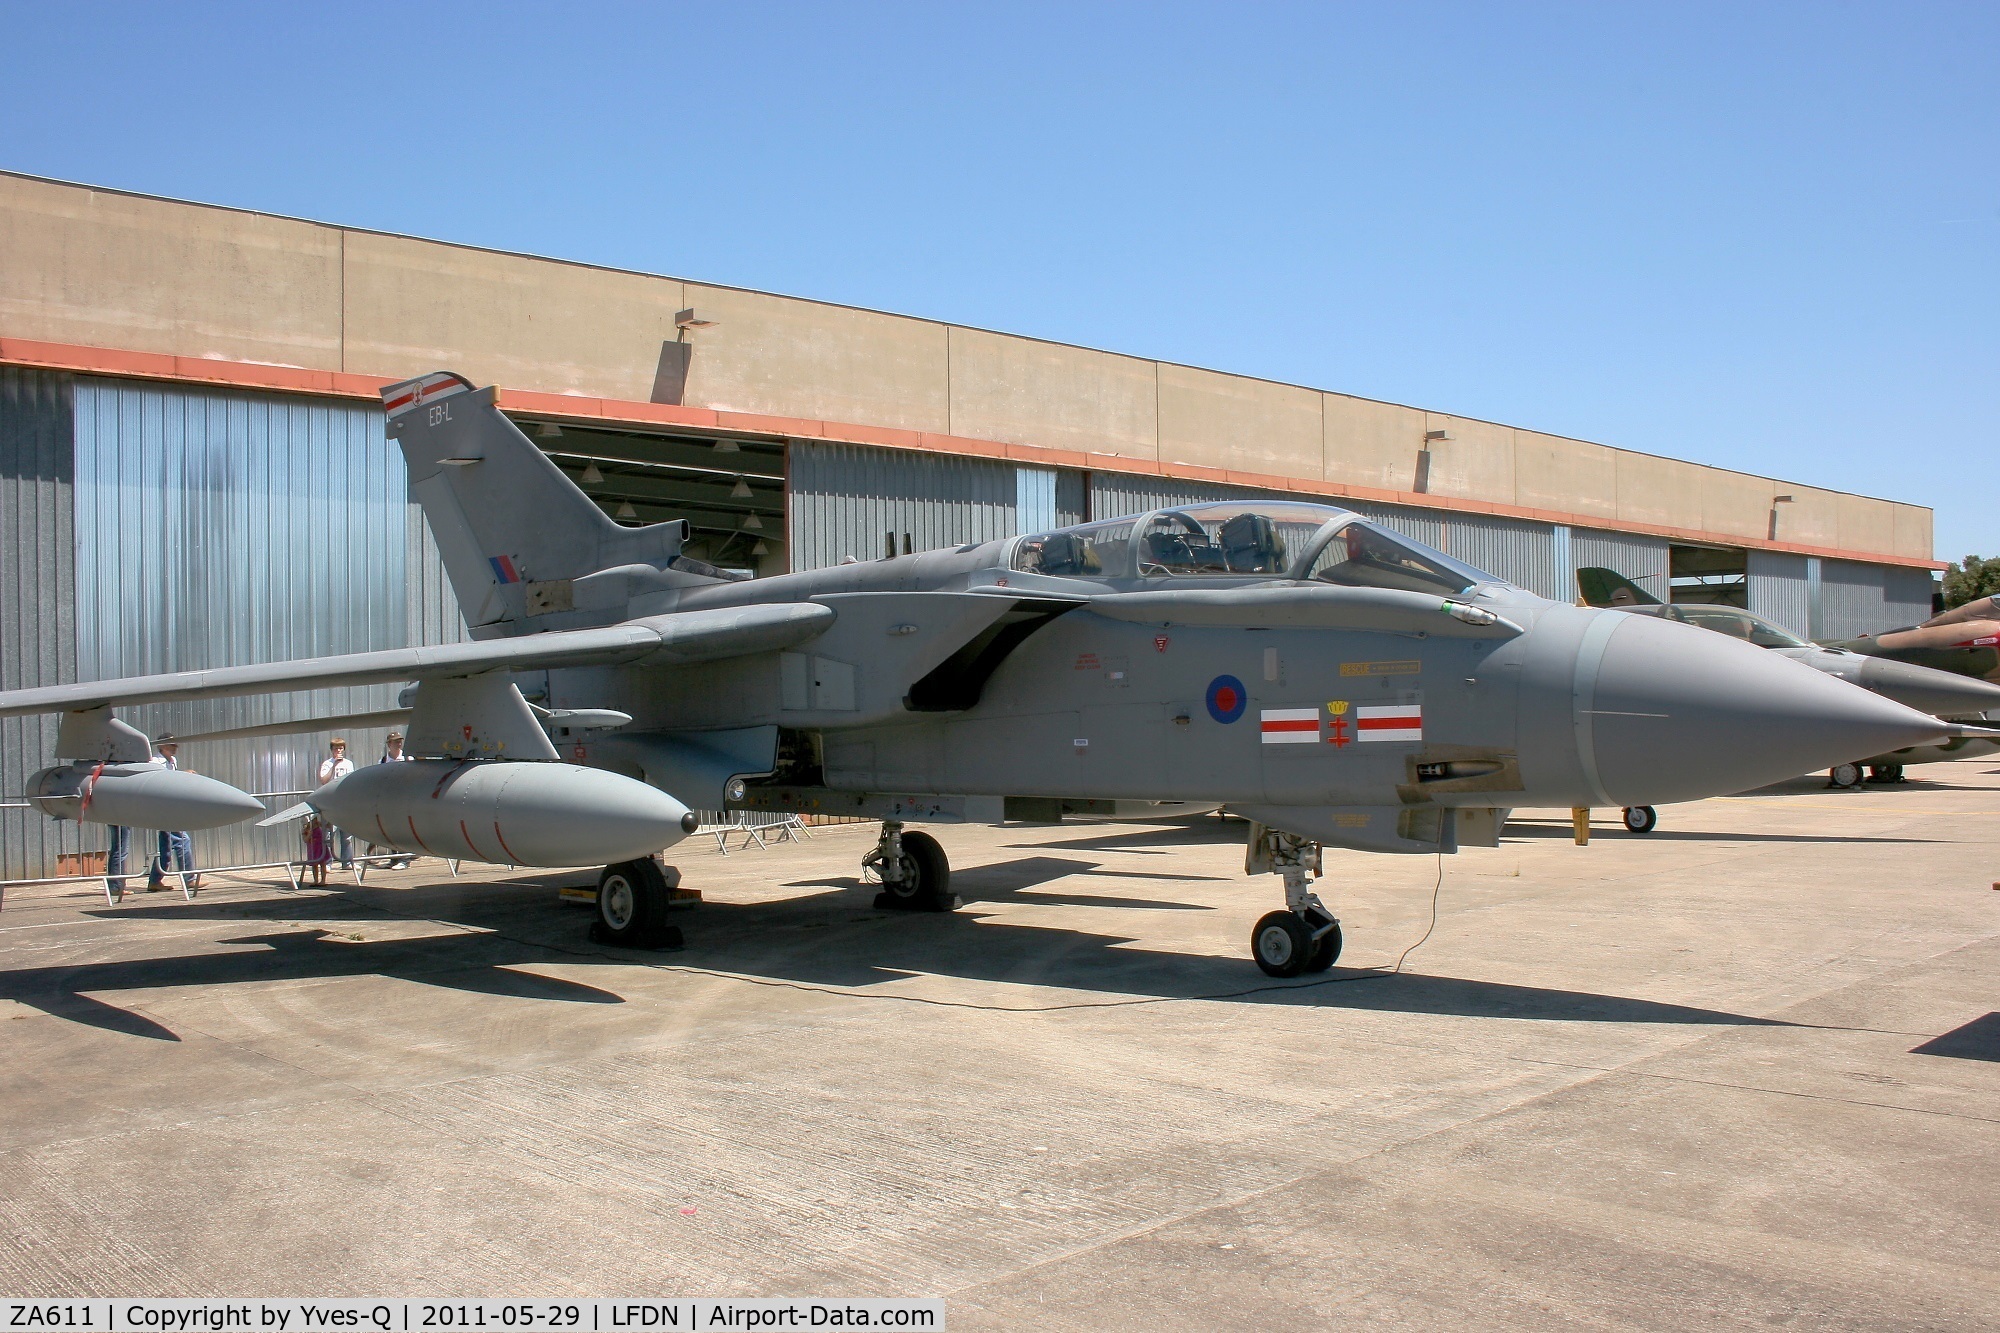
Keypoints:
pixel 114 856
pixel 335 766
pixel 392 753
pixel 176 849
pixel 315 837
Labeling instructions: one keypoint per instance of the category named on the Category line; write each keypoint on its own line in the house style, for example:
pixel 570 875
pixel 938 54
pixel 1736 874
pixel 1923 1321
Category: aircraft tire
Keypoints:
pixel 632 907
pixel 1641 819
pixel 1844 776
pixel 1886 773
pixel 926 882
pixel 1325 950
pixel 1281 944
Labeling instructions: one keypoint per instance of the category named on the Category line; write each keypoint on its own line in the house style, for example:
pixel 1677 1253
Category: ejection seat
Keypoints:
pixel 1067 553
pixel 1251 545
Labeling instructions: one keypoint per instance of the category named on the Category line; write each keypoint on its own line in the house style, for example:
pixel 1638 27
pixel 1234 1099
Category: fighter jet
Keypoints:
pixel 1897 669
pixel 1332 682
pixel 1964 640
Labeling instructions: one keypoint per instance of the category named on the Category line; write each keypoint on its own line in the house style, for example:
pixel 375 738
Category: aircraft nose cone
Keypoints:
pixel 1669 712
pixel 1945 693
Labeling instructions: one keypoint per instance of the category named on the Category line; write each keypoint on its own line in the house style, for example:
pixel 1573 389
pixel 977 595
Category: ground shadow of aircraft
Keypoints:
pixel 480 963
pixel 1527 832
pixel 833 939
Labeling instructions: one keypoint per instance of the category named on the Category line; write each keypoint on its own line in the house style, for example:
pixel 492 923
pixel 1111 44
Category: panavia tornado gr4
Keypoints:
pixel 1333 683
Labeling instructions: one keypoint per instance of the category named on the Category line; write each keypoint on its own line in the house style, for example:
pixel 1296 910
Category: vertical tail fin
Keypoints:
pixel 1607 587
pixel 514 532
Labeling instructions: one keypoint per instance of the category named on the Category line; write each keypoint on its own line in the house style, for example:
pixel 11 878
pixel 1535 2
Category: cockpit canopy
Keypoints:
pixel 1729 620
pixel 1254 539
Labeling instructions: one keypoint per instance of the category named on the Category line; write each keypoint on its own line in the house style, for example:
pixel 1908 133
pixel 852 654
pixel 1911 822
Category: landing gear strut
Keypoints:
pixel 632 906
pixel 1305 937
pixel 915 875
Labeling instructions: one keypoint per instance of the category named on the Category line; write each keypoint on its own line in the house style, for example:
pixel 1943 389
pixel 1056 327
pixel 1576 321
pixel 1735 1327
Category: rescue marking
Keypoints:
pixel 1227 699
pixel 1289 726
pixel 1392 722
pixel 1381 668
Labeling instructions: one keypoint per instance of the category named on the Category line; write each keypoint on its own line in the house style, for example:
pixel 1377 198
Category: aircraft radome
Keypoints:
pixel 1330 681
pixel 1935 668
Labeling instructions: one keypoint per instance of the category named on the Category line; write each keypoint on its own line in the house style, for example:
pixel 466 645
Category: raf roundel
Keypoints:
pixel 1226 698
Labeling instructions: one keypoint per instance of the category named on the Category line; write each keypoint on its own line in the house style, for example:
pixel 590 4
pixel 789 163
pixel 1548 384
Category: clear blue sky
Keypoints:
pixel 1758 235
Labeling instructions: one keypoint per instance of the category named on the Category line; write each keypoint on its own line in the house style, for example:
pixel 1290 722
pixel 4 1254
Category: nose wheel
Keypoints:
pixel 913 870
pixel 1305 936
pixel 1286 944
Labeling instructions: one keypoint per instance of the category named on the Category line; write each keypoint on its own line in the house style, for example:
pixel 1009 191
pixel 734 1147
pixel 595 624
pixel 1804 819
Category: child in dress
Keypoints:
pixel 319 848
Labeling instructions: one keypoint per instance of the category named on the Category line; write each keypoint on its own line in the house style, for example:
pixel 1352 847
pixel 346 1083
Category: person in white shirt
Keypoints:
pixel 176 849
pixel 338 765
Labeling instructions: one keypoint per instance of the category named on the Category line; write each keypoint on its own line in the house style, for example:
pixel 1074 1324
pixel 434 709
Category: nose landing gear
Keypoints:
pixel 1305 937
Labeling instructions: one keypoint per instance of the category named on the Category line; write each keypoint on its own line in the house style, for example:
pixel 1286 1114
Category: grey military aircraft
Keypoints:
pixel 1887 665
pixel 1330 681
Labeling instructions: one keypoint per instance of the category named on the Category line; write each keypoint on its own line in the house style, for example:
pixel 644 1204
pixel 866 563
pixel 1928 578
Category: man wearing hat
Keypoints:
pixel 392 753
pixel 338 765
pixel 176 850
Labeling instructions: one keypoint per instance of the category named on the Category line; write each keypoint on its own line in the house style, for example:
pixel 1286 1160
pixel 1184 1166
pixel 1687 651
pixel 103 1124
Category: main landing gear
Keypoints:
pixel 1304 937
pixel 632 904
pixel 1844 776
pixel 915 875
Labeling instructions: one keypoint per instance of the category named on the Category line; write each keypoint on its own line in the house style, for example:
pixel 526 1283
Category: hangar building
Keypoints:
pixel 194 471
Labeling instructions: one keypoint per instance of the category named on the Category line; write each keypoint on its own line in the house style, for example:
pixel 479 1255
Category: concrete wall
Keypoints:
pixel 125 271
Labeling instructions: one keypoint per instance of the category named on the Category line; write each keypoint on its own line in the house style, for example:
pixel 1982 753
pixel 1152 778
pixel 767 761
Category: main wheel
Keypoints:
pixel 1281 944
pixel 1844 776
pixel 632 907
pixel 1325 950
pixel 926 882
pixel 1885 773
pixel 1641 819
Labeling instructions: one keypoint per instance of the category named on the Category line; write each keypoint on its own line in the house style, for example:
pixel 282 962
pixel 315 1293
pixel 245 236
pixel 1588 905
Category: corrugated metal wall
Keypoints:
pixel 1777 586
pixel 1906 595
pixel 1114 495
pixel 1858 599
pixel 1519 551
pixel 1644 560
pixel 37 601
pixel 843 497
pixel 213 528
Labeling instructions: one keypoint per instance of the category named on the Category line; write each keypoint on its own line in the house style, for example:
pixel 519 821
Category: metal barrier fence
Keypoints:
pixel 759 828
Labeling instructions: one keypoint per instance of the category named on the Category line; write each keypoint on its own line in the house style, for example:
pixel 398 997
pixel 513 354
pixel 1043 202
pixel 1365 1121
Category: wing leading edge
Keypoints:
pixel 690 636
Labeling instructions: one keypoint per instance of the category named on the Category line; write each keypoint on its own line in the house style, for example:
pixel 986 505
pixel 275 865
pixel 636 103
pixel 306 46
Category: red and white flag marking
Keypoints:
pixel 1289 726
pixel 1393 722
